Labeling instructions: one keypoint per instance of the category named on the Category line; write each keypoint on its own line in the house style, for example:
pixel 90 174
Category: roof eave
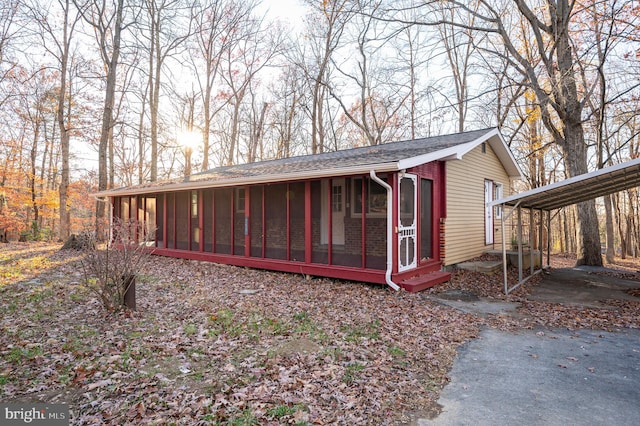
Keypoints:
pixel 457 152
pixel 262 179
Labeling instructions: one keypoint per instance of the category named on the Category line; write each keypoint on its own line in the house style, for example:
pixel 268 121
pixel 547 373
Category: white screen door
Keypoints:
pixel 407 206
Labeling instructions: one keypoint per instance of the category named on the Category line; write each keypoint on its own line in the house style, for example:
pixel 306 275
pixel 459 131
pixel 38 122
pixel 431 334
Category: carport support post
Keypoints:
pixel 548 238
pixel 540 235
pixel 504 249
pixel 531 227
pixel 519 244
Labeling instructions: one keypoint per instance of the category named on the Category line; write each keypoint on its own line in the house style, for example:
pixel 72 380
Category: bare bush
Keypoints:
pixel 110 269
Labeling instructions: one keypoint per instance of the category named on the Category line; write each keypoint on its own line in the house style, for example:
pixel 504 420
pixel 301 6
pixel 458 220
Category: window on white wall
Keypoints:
pixel 497 188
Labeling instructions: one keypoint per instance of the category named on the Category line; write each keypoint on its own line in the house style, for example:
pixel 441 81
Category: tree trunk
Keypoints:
pixel 64 134
pixel 107 121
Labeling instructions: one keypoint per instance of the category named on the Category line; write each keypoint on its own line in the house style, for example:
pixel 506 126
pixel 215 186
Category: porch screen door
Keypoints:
pixel 407 205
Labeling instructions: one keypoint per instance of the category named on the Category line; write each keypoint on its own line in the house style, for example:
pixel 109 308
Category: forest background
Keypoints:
pixel 100 94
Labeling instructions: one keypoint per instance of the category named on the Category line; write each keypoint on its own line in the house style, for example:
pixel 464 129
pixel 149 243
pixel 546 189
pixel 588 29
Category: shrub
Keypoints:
pixel 110 269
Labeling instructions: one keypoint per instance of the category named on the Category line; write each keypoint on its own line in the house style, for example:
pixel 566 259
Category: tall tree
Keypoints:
pixel 106 19
pixel 555 84
pixel 57 41
pixel 253 49
pixel 326 25
pixel 168 26
pixel 216 22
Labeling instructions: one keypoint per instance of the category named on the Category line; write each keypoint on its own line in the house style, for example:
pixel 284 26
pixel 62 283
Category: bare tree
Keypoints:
pixel 106 20
pixel 57 41
pixel 459 46
pixel 164 35
pixel 555 86
pixel 326 27
pixel 215 27
pixel 253 49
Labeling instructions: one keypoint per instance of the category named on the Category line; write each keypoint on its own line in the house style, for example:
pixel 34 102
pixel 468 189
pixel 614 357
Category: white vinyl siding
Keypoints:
pixel 465 223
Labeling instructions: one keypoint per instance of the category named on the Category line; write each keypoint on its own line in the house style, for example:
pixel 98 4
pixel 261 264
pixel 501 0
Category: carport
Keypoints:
pixel 543 201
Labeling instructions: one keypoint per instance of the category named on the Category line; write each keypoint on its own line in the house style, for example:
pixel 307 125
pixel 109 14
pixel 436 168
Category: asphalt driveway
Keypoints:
pixel 554 377
pixel 546 377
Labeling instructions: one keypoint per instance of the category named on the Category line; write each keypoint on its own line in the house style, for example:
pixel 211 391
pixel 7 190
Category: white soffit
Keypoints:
pixel 579 188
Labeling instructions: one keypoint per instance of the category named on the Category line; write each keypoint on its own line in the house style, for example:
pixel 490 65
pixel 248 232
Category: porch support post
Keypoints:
pixel 247 221
pixel 364 221
pixel 213 220
pixel 288 200
pixel 175 221
pixel 263 218
pixel 308 223
pixel 330 224
pixel 164 221
pixel 201 220
pixel 232 226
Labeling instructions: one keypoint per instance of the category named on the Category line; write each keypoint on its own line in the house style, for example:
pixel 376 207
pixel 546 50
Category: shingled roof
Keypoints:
pixel 387 157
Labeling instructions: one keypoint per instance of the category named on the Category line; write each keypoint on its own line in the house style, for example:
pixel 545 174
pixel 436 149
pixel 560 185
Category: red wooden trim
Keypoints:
pixel 330 223
pixel 264 225
pixel 232 243
pixel 247 221
pixel 363 219
pixel 213 220
pixel 175 220
pixel 201 219
pixel 375 276
pixel 144 217
pixel 308 223
pixel 189 219
pixel 288 198
pixel 164 221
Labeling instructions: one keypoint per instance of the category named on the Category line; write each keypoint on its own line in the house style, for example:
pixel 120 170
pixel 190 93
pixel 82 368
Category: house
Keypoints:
pixel 396 213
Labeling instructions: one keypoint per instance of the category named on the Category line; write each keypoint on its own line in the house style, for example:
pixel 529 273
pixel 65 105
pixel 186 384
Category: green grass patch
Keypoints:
pixel 352 372
pixel 396 352
pixel 280 411
pixel 246 418
pixel 190 329
pixel 19 355
pixel 356 333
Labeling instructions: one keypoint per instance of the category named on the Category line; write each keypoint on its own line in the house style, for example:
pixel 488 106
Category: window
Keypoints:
pixel 375 197
pixel 497 194
pixel 336 199
pixel 194 204
pixel 239 196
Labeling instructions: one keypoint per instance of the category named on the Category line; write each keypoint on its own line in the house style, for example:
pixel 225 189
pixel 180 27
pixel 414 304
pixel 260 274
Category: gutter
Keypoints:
pixel 387 275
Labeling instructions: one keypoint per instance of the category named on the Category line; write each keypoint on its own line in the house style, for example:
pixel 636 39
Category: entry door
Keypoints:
pixel 407 205
pixel 488 216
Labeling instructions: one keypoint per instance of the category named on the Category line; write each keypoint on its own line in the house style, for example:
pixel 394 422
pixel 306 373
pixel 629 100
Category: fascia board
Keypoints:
pixel 282 177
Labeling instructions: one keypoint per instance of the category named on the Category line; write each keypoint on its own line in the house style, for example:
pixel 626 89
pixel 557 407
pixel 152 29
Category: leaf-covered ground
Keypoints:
pixel 215 344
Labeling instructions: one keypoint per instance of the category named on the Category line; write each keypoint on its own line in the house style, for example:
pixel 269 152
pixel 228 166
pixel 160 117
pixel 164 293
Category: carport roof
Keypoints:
pixel 579 188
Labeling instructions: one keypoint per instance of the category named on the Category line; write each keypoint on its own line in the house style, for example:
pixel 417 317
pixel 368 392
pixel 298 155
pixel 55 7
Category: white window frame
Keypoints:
pixel 238 200
pixel 497 194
